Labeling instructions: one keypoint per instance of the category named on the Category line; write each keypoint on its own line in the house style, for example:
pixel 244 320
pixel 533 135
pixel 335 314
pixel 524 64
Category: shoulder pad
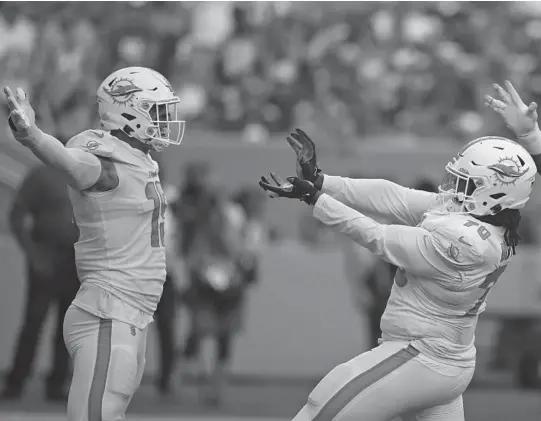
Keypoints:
pixel 94 141
pixel 456 241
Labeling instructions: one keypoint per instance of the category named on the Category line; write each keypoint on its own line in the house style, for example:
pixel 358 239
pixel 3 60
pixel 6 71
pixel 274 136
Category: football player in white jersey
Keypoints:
pixel 450 248
pixel 119 207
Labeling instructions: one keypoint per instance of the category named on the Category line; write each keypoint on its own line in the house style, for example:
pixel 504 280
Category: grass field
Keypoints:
pixel 268 403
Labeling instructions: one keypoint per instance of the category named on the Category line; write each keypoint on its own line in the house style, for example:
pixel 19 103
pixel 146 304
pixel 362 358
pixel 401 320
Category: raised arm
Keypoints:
pixel 519 117
pixel 398 204
pixel 81 169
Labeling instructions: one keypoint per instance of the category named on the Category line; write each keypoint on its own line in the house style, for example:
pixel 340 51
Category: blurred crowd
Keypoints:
pixel 350 69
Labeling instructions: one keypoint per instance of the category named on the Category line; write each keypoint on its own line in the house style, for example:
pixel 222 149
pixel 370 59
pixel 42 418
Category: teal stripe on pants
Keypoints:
pixel 103 355
pixel 345 395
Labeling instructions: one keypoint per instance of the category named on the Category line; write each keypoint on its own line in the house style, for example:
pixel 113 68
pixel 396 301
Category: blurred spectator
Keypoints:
pixel 217 283
pixel 194 200
pixel 166 311
pixel 42 223
pixel 364 68
pixel 191 212
pixel 253 231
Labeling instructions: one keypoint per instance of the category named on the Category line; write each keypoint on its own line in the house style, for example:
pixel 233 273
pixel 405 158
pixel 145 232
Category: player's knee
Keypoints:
pixel 114 407
pixel 330 385
pixel 124 376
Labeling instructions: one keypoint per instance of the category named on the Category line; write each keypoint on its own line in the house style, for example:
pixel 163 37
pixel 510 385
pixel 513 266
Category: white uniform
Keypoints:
pixel 448 263
pixel 121 264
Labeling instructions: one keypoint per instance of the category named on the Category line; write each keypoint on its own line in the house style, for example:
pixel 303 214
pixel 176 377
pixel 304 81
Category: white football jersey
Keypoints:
pixel 447 262
pixel 120 254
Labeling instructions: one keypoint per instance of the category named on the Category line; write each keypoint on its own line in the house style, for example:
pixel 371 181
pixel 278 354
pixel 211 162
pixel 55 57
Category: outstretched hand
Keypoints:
pixel 305 149
pixel 21 115
pixel 518 116
pixel 293 188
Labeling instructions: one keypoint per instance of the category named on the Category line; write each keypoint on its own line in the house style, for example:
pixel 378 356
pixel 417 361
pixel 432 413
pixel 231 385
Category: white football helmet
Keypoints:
pixel 140 102
pixel 488 175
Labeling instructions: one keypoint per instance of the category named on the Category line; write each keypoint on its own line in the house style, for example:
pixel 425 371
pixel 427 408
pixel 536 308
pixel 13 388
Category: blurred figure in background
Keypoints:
pixel 42 223
pixel 222 261
pixel 194 200
pixel 166 311
pixel 213 272
pixel 189 213
pixel 252 230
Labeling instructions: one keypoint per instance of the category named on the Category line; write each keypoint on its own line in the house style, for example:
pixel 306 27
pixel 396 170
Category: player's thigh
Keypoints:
pixel 410 387
pixel 125 369
pixel 333 392
pixel 380 385
pixel 107 361
pixel 83 333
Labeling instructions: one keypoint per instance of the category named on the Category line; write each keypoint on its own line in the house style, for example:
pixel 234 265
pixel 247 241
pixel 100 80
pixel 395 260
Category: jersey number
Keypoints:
pixel 154 192
pixel 491 277
pixel 490 281
pixel 482 231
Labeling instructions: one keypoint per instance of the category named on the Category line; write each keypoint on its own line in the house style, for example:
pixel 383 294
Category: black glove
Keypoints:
pixel 305 148
pixel 293 188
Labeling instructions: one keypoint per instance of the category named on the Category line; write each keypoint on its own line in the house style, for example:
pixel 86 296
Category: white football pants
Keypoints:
pixel 108 364
pixel 390 382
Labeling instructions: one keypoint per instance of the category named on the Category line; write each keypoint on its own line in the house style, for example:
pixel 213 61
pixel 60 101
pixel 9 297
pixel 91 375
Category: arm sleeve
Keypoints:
pixel 413 249
pixel 379 197
pixel 81 168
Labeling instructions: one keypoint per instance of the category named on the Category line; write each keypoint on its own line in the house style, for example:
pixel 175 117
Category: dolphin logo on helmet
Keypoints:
pixel 122 88
pixel 507 170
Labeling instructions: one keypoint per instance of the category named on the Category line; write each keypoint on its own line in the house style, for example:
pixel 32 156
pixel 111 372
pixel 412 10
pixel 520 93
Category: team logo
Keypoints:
pixel 508 171
pixel 122 90
pixel 91 145
pixel 463 241
pixel 453 252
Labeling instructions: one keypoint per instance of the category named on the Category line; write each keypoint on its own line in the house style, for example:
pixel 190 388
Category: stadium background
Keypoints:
pixel 388 90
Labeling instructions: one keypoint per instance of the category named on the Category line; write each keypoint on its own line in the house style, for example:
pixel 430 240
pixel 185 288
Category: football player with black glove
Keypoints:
pixel 293 188
pixel 448 248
